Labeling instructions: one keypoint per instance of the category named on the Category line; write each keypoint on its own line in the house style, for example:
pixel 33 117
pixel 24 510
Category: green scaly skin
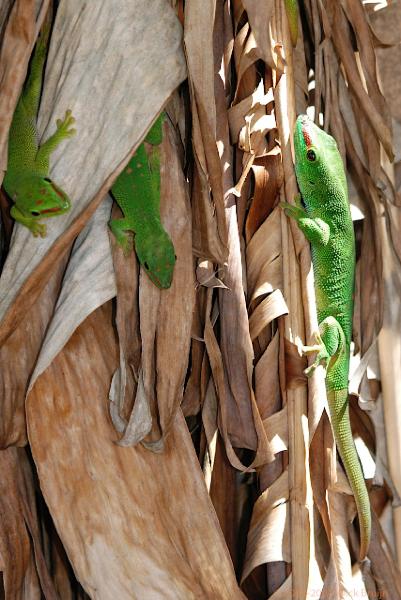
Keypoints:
pixel 326 222
pixel 27 180
pixel 137 192
pixel 291 7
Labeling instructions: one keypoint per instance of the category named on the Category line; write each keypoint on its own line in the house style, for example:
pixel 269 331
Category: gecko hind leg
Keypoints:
pixel 122 230
pixel 329 340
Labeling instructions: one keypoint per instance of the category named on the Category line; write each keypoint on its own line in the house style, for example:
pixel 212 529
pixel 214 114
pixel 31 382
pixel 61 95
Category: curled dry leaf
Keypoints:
pixel 268 173
pixel 206 275
pixel 268 538
pixel 199 370
pixel 124 382
pixel 231 357
pixel 268 534
pixel 209 241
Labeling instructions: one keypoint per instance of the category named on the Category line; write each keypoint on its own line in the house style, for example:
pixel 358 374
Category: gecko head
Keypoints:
pixel 318 163
pixel 156 255
pixel 39 197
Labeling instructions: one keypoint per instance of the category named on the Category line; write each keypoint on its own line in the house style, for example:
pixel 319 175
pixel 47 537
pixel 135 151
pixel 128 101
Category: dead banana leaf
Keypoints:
pixel 210 234
pixel 259 19
pixel 23 567
pixel 123 514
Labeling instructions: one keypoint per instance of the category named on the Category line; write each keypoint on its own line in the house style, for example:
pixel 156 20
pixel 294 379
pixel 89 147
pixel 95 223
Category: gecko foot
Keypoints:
pixel 298 201
pixel 295 212
pixel 38 229
pixel 322 354
pixel 64 125
pixel 124 238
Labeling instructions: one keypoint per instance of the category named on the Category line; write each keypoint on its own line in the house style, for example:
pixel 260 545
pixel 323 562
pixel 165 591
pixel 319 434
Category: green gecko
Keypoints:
pixel 27 180
pixel 326 223
pixel 137 192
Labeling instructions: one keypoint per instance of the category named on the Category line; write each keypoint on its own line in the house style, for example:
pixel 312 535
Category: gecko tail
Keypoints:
pixel 339 411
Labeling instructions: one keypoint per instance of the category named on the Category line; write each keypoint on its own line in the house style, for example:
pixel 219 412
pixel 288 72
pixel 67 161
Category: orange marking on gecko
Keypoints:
pixel 307 138
pixel 39 202
pixel 50 210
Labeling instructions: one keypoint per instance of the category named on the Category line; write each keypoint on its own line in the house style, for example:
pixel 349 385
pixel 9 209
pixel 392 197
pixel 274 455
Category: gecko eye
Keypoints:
pixel 311 155
pixel 47 179
pixel 145 264
pixel 35 213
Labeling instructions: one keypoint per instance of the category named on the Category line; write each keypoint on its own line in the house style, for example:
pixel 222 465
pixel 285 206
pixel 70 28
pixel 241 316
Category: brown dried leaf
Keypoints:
pixel 383 568
pixel 243 421
pixel 223 494
pixel 177 303
pixel 18 355
pixel 339 543
pixel 267 388
pixel 259 16
pixel 284 591
pixel 206 275
pixel 251 424
pixel 25 574
pixel 199 367
pixel 127 322
pixel 342 43
pixel 247 54
pixel 295 365
pixel 385 25
pixel 198 35
pixel 268 538
pixel 272 307
pixel 108 502
pixel 268 174
pixel 263 258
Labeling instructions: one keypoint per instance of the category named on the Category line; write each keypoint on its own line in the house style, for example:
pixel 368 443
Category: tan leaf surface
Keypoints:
pixel 18 356
pixel 113 505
